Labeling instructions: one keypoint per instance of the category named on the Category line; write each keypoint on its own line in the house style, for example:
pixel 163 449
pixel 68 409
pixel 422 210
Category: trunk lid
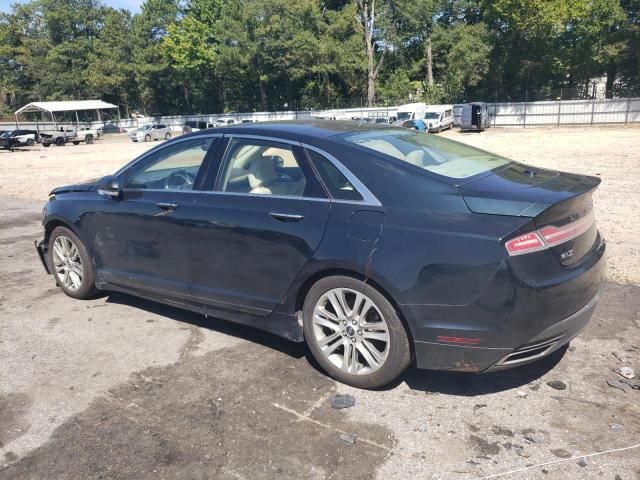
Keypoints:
pixel 560 205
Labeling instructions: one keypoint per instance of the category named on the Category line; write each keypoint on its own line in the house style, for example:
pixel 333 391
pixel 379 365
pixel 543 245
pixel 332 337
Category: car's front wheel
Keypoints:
pixel 167 136
pixel 70 263
pixel 354 332
pixel 147 138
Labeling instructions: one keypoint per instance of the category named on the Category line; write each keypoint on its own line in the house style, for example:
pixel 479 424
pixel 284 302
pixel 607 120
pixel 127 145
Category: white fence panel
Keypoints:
pixel 517 114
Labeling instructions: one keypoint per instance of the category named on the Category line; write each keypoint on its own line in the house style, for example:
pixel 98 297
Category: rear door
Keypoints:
pixel 259 225
pixel 141 240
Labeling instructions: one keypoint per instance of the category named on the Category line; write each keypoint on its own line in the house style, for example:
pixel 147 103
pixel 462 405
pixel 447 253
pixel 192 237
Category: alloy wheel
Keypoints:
pixel 351 331
pixel 67 263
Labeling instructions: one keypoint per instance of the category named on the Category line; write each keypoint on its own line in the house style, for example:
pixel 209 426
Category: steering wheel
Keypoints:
pixel 179 180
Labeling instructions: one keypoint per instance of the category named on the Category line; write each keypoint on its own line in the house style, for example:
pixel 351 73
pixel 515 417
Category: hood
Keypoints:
pixel 79 187
pixel 522 190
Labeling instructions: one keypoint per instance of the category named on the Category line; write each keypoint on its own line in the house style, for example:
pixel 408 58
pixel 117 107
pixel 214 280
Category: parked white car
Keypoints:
pixel 21 137
pixel 222 121
pixel 149 132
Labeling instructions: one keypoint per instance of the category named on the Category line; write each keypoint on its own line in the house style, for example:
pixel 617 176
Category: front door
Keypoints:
pixel 255 231
pixel 142 239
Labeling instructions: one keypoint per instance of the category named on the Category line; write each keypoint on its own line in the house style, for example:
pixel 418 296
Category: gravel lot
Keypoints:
pixel 116 387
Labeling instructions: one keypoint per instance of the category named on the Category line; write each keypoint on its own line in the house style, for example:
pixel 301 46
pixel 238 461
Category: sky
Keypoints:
pixel 133 5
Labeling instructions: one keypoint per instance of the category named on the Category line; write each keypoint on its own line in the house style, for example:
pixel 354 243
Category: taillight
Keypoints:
pixel 549 236
pixel 527 243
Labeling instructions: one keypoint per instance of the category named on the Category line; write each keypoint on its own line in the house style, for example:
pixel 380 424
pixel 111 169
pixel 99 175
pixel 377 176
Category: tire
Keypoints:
pixel 386 333
pixel 76 143
pixel 46 145
pixel 30 142
pixel 60 142
pixel 167 136
pixel 76 283
pixel 88 139
pixel 147 138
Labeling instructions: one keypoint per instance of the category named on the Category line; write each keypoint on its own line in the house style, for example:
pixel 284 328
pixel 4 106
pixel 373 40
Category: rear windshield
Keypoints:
pixel 431 152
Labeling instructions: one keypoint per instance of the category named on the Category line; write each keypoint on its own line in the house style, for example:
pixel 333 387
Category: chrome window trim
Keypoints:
pixel 236 194
pixel 368 198
pixel 143 156
pixel 263 138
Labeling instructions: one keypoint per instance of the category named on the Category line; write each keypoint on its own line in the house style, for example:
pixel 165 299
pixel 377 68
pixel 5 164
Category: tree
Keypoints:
pixel 111 71
pixel 158 87
pixel 376 36
pixel 463 53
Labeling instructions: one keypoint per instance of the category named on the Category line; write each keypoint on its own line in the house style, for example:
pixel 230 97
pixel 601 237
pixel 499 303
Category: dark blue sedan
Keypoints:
pixel 378 246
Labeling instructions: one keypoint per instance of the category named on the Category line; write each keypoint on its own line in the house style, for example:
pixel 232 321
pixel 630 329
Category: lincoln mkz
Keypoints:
pixel 377 246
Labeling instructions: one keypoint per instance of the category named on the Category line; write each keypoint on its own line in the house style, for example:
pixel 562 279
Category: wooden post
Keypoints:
pixel 593 109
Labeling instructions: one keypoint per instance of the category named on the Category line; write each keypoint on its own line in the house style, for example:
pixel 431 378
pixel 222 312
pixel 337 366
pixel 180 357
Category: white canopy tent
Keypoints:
pixel 67 106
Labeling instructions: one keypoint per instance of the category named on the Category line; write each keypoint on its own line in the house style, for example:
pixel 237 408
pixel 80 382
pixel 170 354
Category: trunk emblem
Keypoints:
pixel 567 254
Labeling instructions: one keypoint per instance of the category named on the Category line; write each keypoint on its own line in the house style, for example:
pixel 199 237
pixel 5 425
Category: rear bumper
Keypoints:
pixel 438 356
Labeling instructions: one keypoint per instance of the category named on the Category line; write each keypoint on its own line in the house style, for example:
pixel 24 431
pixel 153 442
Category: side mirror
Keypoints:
pixel 109 187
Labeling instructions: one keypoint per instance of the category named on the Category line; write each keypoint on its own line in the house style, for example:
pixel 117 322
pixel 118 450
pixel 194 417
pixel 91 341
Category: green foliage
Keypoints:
pixel 178 56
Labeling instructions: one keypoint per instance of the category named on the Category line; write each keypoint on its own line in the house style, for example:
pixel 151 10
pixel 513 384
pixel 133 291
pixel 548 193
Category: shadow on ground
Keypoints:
pixel 450 383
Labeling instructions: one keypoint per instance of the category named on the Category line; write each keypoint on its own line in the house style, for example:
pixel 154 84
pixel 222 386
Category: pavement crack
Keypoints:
pixel 305 418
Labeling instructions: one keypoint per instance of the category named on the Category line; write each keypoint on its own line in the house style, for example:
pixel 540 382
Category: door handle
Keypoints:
pixel 167 205
pixel 285 217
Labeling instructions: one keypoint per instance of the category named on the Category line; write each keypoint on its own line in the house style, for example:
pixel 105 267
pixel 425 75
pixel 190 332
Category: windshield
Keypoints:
pixel 432 115
pixel 405 115
pixel 5 134
pixel 435 154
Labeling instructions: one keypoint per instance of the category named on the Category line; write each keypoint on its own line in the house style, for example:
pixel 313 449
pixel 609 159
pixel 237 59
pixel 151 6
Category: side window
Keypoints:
pixel 172 168
pixel 263 168
pixel 338 185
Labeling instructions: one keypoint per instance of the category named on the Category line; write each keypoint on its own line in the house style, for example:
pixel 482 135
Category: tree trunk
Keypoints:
pixel 263 94
pixel 429 60
pixel 187 99
pixel 612 72
pixel 371 89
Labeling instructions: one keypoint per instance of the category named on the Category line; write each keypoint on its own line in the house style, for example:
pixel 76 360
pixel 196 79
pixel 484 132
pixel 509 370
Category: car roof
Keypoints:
pixel 298 129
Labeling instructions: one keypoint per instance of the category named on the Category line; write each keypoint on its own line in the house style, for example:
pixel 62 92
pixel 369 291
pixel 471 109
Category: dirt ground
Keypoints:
pixel 117 387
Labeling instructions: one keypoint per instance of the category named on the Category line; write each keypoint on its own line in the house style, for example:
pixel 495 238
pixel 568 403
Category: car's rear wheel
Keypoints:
pixel 60 141
pixel 354 332
pixel 70 264
pixel 76 142
pixel 167 136
pixel 46 145
pixel 88 139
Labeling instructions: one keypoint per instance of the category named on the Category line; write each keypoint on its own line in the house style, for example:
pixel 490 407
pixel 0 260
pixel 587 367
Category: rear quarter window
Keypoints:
pixel 338 185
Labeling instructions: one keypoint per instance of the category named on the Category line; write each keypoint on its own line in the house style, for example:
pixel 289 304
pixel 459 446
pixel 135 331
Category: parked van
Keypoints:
pixel 410 111
pixel 438 117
